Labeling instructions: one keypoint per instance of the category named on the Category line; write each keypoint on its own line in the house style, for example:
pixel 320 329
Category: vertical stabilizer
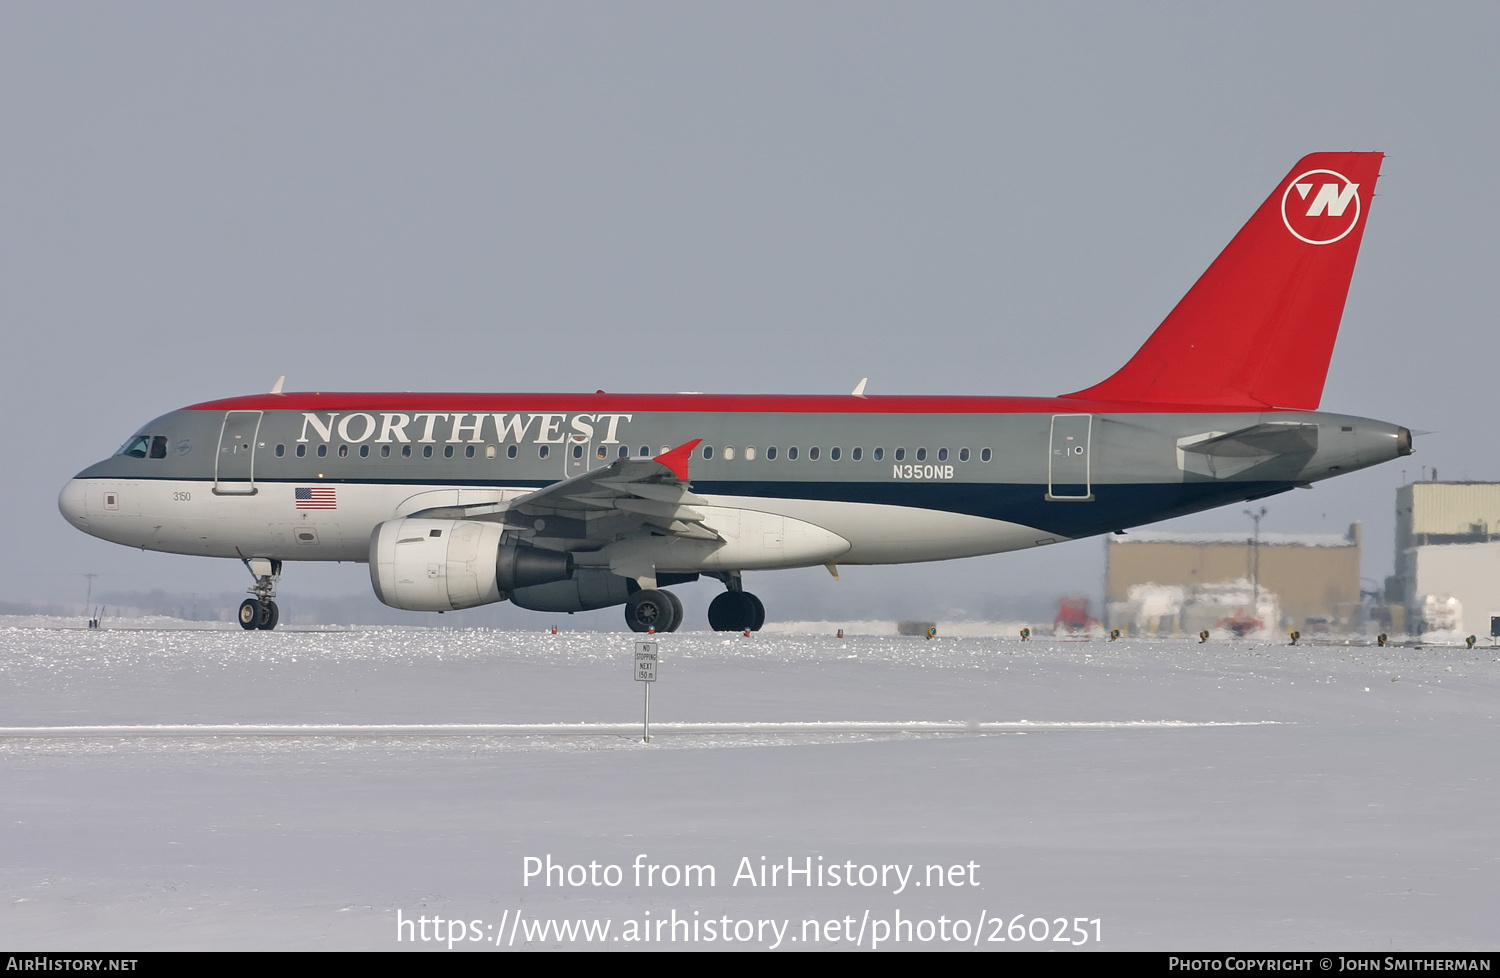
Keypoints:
pixel 1257 330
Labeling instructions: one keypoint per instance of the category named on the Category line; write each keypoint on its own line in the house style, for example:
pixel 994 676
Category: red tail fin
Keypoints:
pixel 1258 328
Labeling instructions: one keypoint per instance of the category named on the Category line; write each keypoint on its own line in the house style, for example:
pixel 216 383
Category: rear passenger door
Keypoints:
pixel 1068 476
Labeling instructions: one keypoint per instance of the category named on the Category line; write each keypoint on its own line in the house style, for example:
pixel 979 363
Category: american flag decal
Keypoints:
pixel 317 497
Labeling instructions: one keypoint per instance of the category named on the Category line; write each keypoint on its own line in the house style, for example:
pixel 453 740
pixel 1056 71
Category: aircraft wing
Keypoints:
pixel 622 499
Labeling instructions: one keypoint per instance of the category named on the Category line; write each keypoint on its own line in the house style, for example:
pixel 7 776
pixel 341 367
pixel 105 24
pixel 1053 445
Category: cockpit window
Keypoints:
pixel 145 446
pixel 136 447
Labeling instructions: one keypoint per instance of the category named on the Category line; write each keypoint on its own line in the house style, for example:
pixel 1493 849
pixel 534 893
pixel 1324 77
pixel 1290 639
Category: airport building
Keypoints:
pixel 1181 583
pixel 1447 556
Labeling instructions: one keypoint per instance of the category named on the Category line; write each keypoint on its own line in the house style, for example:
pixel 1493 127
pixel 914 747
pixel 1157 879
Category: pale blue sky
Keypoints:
pixel 982 198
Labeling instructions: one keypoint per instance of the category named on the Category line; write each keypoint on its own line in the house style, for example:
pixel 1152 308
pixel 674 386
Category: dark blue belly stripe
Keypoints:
pixel 1114 507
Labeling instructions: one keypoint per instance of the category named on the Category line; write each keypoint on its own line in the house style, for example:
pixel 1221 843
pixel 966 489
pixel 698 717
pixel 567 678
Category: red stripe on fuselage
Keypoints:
pixel 718 403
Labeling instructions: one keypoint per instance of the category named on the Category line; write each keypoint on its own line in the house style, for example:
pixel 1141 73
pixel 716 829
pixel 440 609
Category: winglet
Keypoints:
pixel 276 387
pixel 677 458
pixel 859 389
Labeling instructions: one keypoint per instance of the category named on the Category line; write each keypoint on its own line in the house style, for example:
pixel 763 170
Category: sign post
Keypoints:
pixel 645 672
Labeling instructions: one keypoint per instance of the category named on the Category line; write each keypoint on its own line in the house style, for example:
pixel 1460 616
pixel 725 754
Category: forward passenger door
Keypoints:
pixel 234 465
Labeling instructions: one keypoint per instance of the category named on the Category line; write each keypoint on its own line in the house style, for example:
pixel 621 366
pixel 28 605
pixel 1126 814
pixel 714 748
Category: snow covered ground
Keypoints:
pixel 1282 798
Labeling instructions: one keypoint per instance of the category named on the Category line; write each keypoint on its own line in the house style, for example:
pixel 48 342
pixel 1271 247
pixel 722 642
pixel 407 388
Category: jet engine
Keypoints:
pixel 587 589
pixel 444 565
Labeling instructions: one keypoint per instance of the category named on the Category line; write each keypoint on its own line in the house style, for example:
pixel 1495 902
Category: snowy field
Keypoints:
pixel 216 789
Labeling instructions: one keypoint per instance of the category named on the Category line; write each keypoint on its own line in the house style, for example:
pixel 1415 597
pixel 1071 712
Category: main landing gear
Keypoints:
pixel 260 612
pixel 653 609
pixel 658 610
pixel 736 610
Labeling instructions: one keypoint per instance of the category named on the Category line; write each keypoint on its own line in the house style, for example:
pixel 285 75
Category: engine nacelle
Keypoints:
pixel 445 565
pixel 586 590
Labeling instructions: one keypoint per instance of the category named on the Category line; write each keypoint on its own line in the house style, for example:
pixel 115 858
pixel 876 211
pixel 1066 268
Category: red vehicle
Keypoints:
pixel 1073 616
pixel 1241 623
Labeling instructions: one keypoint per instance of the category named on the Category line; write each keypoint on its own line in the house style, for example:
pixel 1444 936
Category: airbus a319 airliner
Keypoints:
pixel 560 502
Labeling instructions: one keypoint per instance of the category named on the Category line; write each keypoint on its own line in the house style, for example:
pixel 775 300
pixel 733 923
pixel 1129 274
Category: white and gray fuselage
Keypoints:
pixel 783 481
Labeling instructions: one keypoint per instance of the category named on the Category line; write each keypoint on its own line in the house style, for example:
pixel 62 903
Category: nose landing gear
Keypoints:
pixel 260 612
pixel 257 614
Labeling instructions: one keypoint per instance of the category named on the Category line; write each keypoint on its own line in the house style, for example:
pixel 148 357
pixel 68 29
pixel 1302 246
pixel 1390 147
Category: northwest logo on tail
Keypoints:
pixel 1320 206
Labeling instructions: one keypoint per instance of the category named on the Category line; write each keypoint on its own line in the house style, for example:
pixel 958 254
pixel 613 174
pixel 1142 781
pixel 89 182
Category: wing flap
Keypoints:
pixel 650 507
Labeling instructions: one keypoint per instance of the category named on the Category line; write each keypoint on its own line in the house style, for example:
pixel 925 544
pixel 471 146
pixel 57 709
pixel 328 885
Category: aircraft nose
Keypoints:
pixel 70 502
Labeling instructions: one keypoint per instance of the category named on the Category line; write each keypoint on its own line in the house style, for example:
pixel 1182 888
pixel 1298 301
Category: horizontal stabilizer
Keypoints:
pixel 1222 455
pixel 1262 439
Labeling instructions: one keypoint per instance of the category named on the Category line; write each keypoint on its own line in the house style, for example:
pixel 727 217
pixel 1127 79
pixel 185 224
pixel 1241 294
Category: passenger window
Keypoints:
pixel 645 451
pixel 771 452
pixel 578 451
pixel 921 455
pixel 343 451
pixel 468 451
pixel 427 451
pixel 942 454
pixel 708 451
pixel 280 450
pixel 750 454
pixel 322 451
pixel 833 454
pixel 963 454
pixel 510 451
pixel 364 451
pixel 879 454
pixel 301 451
pixel 624 451
pixel 406 451
pixel 857 454
pixel 602 452
pixel 447 451
pixel 728 453
pixel 385 451
pixel 900 454
pixel 791 453
pixel 985 455
pixel 812 454
pixel 543 452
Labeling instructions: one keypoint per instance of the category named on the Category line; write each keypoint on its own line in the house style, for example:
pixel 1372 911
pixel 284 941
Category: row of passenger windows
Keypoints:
pixel 749 453
pixel 406 451
pixel 855 454
pixel 470 451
